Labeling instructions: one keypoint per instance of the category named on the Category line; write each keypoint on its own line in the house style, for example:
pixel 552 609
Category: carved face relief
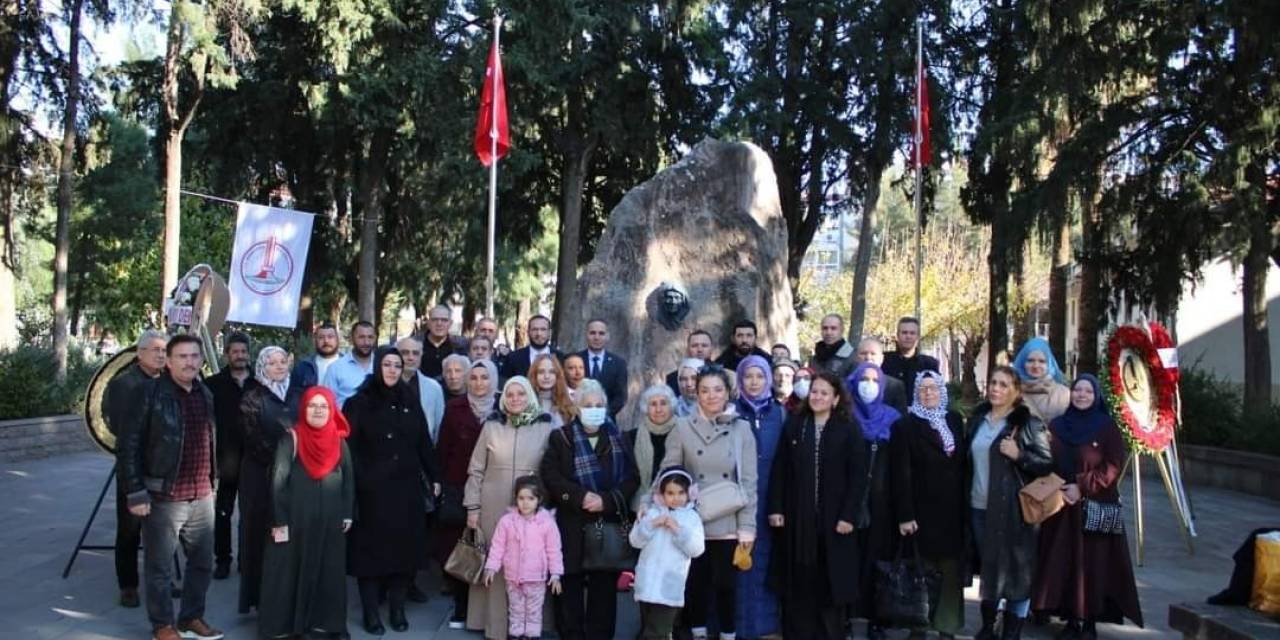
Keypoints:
pixel 673 306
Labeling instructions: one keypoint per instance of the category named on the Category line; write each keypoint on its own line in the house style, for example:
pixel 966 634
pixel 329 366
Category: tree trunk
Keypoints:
pixel 523 313
pixel 1058 285
pixel 576 161
pixel 371 198
pixel 1091 297
pixel 66 174
pixel 969 367
pixel 176 121
pixel 862 260
pixel 998 309
pixel 9 176
pixel 1257 342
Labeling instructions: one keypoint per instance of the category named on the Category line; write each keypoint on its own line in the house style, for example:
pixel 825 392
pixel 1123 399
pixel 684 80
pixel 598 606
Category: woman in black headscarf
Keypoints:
pixel 395 466
pixel 1081 575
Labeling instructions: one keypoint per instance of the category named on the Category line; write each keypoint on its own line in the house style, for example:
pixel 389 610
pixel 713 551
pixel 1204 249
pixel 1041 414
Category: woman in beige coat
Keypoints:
pixel 704 442
pixel 511 445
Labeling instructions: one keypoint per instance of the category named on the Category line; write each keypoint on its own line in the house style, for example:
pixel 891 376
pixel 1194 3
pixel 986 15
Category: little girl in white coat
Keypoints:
pixel 669 535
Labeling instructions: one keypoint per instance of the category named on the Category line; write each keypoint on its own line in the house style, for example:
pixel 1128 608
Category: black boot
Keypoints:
pixel 1012 627
pixel 369 602
pixel 396 593
pixel 1071 631
pixel 988 630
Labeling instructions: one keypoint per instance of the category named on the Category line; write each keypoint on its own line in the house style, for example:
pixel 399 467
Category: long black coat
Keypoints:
pixel 264 420
pixel 391 452
pixel 842 480
pixel 928 486
pixel 1007 553
pixel 565 494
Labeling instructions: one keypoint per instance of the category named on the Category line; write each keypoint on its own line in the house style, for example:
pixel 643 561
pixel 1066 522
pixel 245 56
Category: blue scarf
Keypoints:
pixel 586 465
pixel 1033 345
pixel 760 402
pixel 1076 426
pixel 876 417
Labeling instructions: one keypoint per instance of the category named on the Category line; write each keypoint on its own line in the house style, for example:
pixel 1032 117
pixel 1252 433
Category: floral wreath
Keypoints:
pixel 1143 344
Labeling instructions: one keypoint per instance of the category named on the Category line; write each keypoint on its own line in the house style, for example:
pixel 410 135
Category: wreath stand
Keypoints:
pixel 1141 384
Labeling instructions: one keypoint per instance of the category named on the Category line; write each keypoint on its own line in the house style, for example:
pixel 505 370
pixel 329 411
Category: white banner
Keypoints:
pixel 267 264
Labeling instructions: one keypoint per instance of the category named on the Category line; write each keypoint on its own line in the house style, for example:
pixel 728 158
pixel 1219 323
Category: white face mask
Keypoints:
pixel 801 388
pixel 593 416
pixel 868 390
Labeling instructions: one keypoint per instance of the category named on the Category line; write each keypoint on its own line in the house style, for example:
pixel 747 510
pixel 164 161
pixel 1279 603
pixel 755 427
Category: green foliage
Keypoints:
pixel 27 386
pixel 1213 415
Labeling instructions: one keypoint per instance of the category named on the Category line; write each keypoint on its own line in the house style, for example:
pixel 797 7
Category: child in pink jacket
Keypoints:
pixel 526 548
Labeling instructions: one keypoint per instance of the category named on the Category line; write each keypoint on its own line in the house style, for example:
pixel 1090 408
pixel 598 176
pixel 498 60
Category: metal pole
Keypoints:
pixel 919 163
pixel 493 168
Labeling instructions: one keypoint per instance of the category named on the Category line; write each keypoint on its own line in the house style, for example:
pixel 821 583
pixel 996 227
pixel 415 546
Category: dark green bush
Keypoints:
pixel 1213 415
pixel 27 387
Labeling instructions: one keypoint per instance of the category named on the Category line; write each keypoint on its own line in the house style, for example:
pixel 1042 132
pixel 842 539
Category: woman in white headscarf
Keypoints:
pixel 511 445
pixel 268 411
pixel 687 378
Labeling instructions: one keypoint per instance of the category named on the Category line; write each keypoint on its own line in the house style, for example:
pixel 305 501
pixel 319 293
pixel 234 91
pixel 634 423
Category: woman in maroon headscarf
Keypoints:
pixel 304 583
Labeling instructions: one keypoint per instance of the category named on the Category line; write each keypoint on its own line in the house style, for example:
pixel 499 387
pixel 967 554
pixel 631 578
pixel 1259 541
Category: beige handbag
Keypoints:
pixel 1041 498
pixel 724 498
pixel 466 562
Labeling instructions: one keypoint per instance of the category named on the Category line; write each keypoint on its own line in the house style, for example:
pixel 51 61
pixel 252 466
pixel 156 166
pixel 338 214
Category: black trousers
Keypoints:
pixel 712 575
pixel 657 621
pixel 461 592
pixel 224 504
pixel 588 606
pixel 128 537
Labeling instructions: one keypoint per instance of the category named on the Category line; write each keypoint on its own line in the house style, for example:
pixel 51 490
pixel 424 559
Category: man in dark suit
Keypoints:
pixel 539 331
pixel 907 361
pixel 609 369
pixel 895 393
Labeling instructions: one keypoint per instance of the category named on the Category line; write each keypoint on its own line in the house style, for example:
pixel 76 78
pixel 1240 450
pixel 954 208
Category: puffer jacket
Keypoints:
pixel 665 556
pixel 526 549
pixel 149 443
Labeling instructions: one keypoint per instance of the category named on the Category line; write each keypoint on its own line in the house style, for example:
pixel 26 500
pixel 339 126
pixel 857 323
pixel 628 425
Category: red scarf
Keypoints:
pixel 319 449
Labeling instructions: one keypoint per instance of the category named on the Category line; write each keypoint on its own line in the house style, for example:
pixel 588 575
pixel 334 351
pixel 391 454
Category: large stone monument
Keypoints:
pixel 701 245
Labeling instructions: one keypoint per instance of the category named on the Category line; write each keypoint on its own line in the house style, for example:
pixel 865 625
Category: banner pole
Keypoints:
pixel 919 164
pixel 493 169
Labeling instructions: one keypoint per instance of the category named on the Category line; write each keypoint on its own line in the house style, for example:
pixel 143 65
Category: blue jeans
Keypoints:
pixel 170 524
pixel 978 524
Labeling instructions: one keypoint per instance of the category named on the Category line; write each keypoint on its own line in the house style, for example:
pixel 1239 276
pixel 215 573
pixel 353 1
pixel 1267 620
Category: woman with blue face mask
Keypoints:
pixel 591 478
pixel 875 523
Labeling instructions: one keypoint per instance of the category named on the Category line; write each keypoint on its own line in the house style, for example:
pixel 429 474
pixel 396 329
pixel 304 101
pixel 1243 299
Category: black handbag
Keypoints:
pixel 906 588
pixel 1103 517
pixel 605 545
pixel 449 509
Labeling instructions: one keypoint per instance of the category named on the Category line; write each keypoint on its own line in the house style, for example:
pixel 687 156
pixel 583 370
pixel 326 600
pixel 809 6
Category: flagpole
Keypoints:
pixel 919 163
pixel 493 172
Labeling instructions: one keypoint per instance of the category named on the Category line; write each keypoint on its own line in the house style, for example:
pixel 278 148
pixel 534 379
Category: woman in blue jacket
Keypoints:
pixel 762 614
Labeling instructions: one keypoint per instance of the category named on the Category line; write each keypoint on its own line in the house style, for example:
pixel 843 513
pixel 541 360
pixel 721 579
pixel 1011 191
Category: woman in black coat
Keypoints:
pixel 929 494
pixel 267 413
pixel 818 477
pixel 1007 447
pixel 587 608
pixel 394 465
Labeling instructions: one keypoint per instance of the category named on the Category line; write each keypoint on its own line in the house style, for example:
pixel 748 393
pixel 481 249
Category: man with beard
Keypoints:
pixel 895 393
pixel 166 462
pixel 121 400
pixel 744 344
pixel 228 387
pixel 907 361
pixel 348 373
pixel 310 370
pixel 833 353
pixel 539 330
pixel 698 346
pixel 437 344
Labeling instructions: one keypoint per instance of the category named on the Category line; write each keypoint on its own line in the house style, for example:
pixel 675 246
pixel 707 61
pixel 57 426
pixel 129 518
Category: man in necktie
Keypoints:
pixel 607 368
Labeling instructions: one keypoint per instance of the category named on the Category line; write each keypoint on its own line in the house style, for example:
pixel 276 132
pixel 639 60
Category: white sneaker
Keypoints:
pixel 457 624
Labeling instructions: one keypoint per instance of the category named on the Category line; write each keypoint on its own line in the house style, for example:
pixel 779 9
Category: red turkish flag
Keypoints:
pixel 493 112
pixel 920 135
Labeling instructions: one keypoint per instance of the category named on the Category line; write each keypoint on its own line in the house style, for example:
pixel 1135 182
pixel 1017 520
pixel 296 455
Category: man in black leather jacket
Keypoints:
pixel 167 465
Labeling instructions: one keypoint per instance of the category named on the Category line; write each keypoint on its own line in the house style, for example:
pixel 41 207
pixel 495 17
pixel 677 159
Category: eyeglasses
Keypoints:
pixel 410 353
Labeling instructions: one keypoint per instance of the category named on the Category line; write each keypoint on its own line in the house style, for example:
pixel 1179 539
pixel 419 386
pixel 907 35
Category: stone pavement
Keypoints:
pixel 44 504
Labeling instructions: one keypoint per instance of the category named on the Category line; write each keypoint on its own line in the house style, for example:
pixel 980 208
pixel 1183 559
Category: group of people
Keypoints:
pixel 761 494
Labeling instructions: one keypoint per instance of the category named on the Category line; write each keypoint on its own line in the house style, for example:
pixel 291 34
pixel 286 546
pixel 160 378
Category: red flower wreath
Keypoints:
pixel 1164 382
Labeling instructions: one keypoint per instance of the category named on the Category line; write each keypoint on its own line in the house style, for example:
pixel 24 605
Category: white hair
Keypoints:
pixel 149 335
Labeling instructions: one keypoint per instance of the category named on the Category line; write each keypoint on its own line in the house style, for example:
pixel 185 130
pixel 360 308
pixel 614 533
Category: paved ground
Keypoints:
pixel 44 504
